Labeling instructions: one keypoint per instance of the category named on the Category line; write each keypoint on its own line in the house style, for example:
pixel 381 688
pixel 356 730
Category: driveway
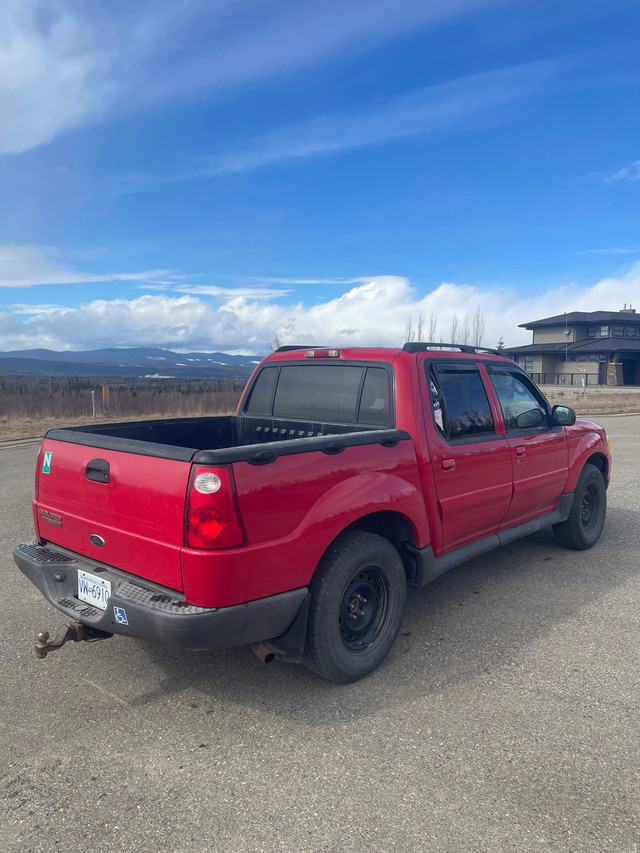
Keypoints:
pixel 505 719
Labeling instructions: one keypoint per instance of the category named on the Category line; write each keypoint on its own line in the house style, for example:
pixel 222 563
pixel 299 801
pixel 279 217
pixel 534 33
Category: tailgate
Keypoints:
pixel 122 509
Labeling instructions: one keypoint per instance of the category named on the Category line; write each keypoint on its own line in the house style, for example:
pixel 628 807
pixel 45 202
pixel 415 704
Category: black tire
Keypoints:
pixel 583 527
pixel 357 603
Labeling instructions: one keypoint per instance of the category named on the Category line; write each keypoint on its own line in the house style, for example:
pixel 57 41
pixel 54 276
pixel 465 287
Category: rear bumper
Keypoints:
pixel 140 610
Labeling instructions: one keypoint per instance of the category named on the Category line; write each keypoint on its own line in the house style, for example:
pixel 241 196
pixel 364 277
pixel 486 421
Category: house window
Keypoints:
pixel 604 331
pixel 618 332
pixel 629 331
pixel 528 364
pixel 593 358
pixel 602 357
pixel 591 331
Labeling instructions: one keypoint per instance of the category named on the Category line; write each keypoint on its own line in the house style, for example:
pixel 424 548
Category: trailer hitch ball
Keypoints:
pixel 41 644
pixel 74 631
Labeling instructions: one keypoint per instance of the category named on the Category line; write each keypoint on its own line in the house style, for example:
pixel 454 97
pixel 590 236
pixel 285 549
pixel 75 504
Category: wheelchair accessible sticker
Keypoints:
pixel 46 462
pixel 121 615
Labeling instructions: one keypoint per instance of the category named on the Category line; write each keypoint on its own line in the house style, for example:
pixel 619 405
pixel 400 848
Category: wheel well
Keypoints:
pixel 600 463
pixel 396 529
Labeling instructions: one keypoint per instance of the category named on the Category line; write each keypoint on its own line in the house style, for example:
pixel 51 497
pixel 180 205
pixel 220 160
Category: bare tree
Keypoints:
pixel 275 344
pixel 454 329
pixel 414 333
pixel 433 327
pixel 478 327
pixel 466 329
pixel 408 333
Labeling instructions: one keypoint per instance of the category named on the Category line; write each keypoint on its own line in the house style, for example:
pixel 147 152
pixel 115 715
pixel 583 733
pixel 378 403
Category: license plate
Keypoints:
pixel 93 590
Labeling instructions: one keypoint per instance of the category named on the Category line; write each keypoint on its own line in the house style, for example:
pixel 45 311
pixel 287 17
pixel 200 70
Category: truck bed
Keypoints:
pixel 182 438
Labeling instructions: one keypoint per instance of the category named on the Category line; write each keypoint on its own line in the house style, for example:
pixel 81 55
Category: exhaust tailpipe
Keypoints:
pixel 264 651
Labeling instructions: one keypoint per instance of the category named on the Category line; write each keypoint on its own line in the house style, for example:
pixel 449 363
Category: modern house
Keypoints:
pixel 583 348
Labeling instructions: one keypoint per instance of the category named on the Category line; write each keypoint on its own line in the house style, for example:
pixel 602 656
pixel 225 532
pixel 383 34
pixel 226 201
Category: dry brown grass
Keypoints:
pixel 30 405
pixel 596 401
pixel 15 428
pixel 590 402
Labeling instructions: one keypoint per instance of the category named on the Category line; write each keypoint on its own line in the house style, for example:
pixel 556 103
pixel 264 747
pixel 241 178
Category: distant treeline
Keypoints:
pixel 70 396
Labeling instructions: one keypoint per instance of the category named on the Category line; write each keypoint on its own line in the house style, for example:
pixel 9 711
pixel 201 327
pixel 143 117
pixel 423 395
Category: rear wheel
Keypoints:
pixel 357 605
pixel 583 527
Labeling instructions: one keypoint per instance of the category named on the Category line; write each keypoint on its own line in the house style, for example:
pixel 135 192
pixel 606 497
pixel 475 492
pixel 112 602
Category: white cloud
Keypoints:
pixel 459 104
pixel 51 76
pixel 259 294
pixel 292 281
pixel 248 41
pixel 64 63
pixel 29 266
pixel 469 102
pixel 375 312
pixel 32 308
pixel 614 250
pixel 627 174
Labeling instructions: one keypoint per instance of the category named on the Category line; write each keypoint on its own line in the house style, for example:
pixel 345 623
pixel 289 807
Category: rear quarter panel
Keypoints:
pixel 274 499
pixel 293 508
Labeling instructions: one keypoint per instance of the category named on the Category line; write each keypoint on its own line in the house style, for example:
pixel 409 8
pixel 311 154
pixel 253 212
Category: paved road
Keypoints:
pixel 505 719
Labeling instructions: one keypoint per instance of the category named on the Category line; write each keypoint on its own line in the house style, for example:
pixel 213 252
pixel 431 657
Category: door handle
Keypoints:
pixel 98 471
pixel 448 464
pixel 520 450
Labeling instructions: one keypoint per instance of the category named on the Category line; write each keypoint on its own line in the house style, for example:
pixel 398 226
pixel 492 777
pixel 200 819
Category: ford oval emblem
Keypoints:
pixel 96 540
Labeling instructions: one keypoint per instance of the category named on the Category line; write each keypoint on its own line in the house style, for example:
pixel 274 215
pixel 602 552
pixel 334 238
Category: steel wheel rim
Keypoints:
pixel 589 508
pixel 364 609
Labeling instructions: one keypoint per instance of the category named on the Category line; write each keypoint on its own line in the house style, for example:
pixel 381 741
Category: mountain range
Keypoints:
pixel 133 362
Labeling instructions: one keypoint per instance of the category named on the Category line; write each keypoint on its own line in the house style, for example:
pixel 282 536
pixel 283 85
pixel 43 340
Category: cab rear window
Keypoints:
pixel 335 393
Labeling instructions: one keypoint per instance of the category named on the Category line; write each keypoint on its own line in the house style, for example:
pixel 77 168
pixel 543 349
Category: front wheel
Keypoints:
pixel 583 527
pixel 357 604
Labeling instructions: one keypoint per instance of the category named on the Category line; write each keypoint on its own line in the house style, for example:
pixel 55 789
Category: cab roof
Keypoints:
pixel 388 354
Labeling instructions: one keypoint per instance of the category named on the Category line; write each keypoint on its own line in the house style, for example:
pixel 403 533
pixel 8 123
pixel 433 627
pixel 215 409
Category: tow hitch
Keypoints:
pixel 74 631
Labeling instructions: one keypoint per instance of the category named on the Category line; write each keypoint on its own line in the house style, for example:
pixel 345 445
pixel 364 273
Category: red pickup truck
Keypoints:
pixel 297 524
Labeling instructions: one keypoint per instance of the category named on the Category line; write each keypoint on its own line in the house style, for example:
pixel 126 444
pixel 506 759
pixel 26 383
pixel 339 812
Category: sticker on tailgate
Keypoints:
pixel 46 462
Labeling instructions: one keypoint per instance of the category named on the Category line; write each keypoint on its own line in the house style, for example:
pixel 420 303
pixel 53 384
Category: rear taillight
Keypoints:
pixel 212 517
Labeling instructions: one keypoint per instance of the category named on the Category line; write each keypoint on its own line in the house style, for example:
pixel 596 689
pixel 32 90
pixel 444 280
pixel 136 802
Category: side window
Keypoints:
pixel 521 407
pixel 261 399
pixel 459 401
pixel 375 404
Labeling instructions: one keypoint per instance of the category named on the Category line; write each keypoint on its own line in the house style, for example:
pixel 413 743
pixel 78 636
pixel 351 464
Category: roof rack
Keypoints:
pixel 417 346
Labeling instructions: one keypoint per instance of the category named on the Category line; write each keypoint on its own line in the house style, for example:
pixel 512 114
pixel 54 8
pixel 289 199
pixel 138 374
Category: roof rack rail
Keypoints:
pixel 419 346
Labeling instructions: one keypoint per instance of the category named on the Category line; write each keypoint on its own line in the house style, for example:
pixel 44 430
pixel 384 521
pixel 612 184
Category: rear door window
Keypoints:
pixel 459 401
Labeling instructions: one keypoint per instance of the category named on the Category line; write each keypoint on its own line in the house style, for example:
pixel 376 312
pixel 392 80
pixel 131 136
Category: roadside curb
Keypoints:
pixel 20 442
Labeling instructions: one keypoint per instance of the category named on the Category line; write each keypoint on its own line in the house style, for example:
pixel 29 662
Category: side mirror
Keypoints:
pixel 530 419
pixel 563 415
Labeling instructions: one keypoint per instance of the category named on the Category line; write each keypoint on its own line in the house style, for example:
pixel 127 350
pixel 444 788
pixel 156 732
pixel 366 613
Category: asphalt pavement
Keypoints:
pixel 506 717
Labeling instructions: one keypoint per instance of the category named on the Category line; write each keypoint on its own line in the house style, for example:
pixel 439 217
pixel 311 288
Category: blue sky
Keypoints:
pixel 209 174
